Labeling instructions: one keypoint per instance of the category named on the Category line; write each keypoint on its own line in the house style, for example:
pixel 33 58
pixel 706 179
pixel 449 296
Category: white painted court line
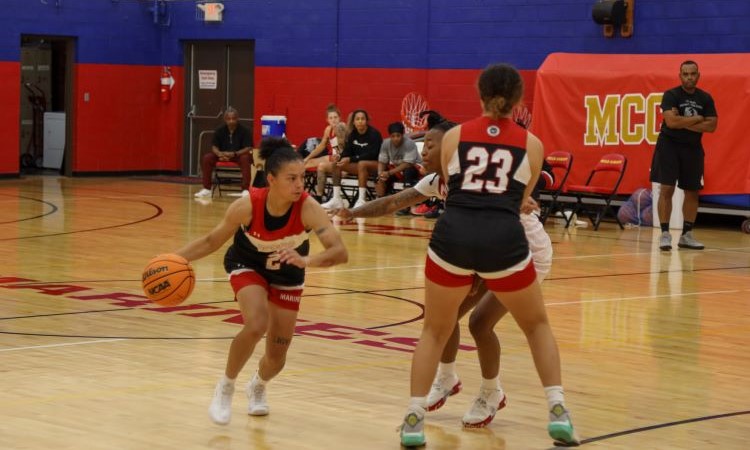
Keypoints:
pixel 61 345
pixel 644 252
pixel 643 297
pixel 361 269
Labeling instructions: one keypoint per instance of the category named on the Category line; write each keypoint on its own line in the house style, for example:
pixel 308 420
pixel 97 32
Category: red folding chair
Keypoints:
pixel 601 186
pixel 561 162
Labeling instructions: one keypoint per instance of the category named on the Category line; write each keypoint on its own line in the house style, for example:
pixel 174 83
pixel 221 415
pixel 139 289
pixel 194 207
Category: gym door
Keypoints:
pixel 218 74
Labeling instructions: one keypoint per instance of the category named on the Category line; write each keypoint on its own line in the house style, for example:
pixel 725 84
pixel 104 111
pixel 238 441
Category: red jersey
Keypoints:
pixel 333 144
pixel 256 245
pixel 490 169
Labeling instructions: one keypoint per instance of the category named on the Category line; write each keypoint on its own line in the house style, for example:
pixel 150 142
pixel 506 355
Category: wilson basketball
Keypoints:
pixel 168 280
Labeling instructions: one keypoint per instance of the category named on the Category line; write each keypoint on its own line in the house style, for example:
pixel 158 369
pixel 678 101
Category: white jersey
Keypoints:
pixel 432 186
pixel 539 241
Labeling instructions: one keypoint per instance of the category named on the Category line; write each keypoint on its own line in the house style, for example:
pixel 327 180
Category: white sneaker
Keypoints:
pixel 333 203
pixel 484 408
pixel 442 388
pixel 220 409
pixel 360 201
pixel 412 430
pixel 203 193
pixel 256 396
pixel 560 427
pixel 245 193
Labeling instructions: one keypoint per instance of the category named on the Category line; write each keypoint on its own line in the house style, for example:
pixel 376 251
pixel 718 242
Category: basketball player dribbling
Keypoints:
pixel 266 265
pixel 487 310
pixel 492 165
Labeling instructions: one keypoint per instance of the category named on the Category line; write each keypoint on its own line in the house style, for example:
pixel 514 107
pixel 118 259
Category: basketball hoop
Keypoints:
pixel 411 106
pixel 522 116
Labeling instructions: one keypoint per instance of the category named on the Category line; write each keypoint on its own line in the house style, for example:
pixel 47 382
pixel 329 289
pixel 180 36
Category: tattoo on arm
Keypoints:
pixel 372 209
pixel 409 197
pixel 392 203
pixel 320 231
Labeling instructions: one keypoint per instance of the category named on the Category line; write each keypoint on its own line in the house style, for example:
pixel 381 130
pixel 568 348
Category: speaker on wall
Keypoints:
pixel 609 12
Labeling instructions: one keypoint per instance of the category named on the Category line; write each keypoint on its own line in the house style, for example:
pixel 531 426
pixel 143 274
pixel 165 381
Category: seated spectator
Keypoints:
pixel 328 142
pixel 362 144
pixel 231 142
pixel 397 160
pixel 327 166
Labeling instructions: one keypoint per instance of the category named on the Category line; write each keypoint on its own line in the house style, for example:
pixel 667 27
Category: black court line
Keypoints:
pixel 73 313
pixel 142 338
pixel 50 204
pixel 659 426
pixel 159 212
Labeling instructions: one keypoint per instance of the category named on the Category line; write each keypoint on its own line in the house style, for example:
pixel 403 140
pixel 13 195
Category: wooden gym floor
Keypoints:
pixel 654 345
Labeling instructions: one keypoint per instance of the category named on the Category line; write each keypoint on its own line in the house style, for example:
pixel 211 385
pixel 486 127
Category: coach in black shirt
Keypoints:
pixel 678 158
pixel 232 142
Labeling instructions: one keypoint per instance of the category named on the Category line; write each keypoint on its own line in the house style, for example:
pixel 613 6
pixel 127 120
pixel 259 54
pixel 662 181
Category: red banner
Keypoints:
pixel 594 104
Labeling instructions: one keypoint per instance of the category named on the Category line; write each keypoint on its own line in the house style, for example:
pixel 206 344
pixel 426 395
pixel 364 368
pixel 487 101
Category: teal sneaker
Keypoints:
pixel 560 427
pixel 412 430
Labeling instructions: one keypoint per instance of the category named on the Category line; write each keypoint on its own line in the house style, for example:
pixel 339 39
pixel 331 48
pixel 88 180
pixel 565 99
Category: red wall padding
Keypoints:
pixel 124 126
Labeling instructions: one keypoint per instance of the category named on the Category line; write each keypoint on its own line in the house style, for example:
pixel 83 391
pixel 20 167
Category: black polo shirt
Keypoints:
pixel 232 142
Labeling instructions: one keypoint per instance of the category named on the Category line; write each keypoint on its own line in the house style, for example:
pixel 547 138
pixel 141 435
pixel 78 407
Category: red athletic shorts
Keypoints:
pixel 513 278
pixel 287 297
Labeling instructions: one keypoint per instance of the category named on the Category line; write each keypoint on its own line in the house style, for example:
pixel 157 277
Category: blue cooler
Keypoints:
pixel 273 126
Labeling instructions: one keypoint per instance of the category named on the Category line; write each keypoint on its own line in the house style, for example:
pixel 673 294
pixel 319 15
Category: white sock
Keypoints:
pixel 226 380
pixel 258 380
pixel 337 192
pixel 555 395
pixel 417 405
pixel 447 369
pixel 492 384
pixel 362 193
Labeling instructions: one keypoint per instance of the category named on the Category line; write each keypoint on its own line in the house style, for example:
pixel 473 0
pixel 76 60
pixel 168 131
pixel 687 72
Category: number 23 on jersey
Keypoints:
pixel 487 170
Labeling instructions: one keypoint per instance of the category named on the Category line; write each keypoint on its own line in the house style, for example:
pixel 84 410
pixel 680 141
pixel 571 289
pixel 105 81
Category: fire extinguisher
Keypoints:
pixel 167 83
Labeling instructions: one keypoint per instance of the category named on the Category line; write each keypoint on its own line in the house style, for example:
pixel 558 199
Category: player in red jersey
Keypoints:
pixel 487 310
pixel 266 265
pixel 491 164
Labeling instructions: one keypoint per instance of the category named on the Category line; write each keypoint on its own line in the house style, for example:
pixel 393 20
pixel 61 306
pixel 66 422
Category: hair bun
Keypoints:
pixel 272 143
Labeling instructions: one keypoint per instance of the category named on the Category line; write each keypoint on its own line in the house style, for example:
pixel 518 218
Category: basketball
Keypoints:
pixel 168 280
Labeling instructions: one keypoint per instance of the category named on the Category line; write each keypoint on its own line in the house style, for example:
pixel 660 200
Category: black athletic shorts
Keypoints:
pixel 677 164
pixel 479 240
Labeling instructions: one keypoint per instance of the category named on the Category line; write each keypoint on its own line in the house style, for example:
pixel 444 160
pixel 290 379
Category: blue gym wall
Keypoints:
pixel 311 52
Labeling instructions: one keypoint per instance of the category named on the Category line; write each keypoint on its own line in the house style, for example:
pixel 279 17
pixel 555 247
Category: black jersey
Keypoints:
pixel 699 103
pixel 363 147
pixel 490 169
pixel 256 245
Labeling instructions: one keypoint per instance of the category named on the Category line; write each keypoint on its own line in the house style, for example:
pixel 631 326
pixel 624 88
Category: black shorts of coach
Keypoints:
pixel 677 164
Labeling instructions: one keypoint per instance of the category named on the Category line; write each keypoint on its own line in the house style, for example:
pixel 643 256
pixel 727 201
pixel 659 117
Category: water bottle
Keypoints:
pixel 334 148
